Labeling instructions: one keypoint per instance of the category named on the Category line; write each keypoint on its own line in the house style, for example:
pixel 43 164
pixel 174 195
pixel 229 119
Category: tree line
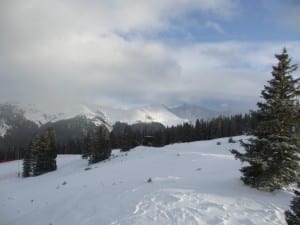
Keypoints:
pixel 125 137
pixel 218 127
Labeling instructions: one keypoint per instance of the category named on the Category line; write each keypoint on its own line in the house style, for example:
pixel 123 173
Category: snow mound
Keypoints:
pixel 191 183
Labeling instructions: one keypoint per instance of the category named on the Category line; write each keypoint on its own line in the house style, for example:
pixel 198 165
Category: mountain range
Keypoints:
pixel 19 122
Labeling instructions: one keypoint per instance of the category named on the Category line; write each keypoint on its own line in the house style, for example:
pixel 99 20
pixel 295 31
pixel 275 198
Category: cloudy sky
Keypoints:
pixel 216 53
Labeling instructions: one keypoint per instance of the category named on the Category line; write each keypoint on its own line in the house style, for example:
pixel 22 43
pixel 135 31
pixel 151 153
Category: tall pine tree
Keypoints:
pixel 272 155
pixel 27 163
pixel 35 150
pixel 43 159
pixel 52 148
pixel 43 152
pixel 127 139
pixel 101 149
pixel 87 146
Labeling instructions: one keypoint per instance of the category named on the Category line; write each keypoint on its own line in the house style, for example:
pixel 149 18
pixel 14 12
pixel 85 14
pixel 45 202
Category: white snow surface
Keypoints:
pixel 192 183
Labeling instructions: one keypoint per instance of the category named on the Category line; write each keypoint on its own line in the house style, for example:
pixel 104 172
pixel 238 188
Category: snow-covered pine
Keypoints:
pixel 101 145
pixel 272 153
pixel 35 150
pixel 127 139
pixel 52 148
pixel 27 163
pixel 87 148
pixel 43 153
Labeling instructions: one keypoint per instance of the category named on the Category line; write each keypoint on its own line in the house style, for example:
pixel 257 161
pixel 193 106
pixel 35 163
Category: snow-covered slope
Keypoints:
pixel 192 184
pixel 194 112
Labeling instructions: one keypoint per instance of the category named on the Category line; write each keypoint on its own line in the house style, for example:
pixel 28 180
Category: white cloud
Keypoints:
pixel 292 16
pixel 285 12
pixel 215 26
pixel 53 52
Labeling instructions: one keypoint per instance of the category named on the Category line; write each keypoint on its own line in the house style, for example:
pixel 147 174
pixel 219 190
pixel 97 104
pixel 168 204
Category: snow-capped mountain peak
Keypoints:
pixel 146 114
pixel 101 114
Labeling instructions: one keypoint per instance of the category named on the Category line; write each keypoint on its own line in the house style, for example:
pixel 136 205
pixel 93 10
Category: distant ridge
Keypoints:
pixel 194 112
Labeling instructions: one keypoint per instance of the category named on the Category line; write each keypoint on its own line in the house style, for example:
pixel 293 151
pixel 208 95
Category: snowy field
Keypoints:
pixel 192 183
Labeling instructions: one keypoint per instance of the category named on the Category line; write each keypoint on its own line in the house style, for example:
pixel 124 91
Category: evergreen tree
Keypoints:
pixel 293 217
pixel 272 154
pixel 101 145
pixel 27 163
pixel 52 148
pixel 87 148
pixel 43 155
pixel 35 149
pixel 127 139
pixel 43 151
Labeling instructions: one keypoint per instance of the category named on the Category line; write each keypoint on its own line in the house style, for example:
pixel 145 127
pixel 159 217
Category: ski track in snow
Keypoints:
pixel 191 184
pixel 179 206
